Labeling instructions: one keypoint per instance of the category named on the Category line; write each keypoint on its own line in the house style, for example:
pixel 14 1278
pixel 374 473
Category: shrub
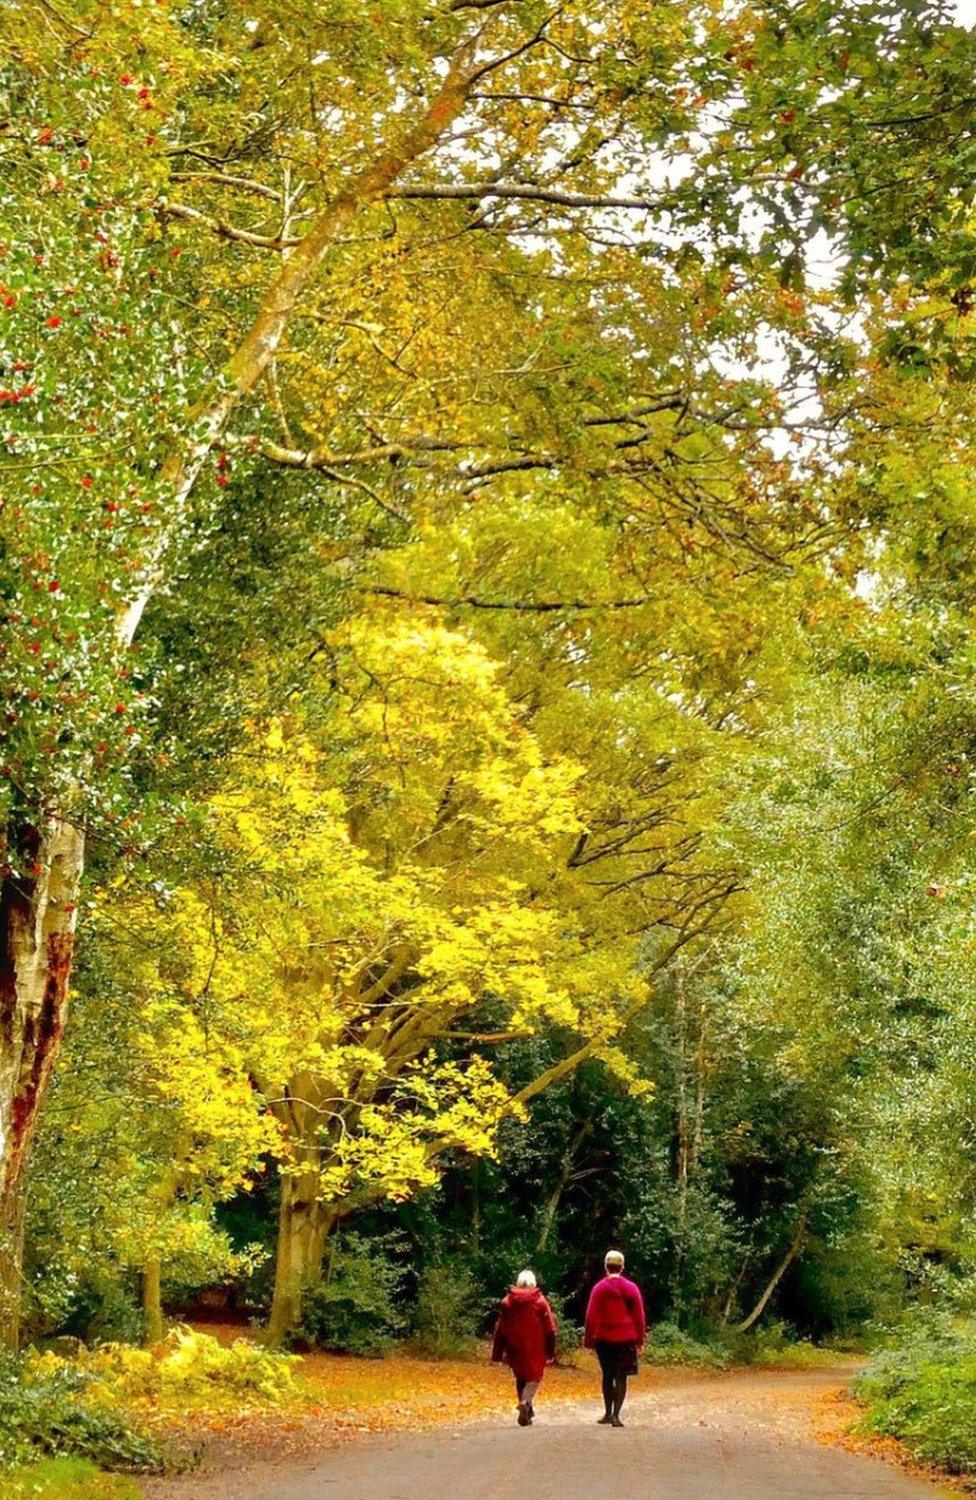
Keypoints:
pixel 52 1408
pixel 924 1392
pixel 450 1309
pixel 569 1339
pixel 799 1354
pixel 94 1308
pixel 667 1344
pixel 187 1364
pixel 355 1309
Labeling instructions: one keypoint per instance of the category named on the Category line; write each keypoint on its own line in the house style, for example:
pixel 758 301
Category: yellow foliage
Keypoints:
pixel 390 873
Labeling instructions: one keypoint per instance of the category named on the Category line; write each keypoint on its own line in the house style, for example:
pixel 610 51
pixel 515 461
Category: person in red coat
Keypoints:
pixel 525 1340
pixel 615 1328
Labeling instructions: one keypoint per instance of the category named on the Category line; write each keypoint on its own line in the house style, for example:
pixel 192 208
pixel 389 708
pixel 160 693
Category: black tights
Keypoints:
pixel 614 1392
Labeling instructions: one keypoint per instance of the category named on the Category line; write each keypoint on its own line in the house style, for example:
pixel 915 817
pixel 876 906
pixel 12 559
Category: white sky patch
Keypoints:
pixel 965 13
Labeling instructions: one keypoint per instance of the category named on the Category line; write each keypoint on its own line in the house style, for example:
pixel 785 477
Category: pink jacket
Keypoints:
pixel 615 1313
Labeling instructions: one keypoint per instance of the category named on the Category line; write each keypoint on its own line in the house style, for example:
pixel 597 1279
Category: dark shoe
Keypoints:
pixel 615 1422
pixel 604 1421
pixel 524 1416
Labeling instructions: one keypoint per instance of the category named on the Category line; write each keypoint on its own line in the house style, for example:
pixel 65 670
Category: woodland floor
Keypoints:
pixel 405 1429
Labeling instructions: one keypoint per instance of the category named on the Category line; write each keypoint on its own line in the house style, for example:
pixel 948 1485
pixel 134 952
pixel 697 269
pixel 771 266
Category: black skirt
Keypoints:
pixel 617 1359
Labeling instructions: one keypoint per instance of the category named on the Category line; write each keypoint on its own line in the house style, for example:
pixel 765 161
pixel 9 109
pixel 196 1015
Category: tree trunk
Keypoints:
pixel 733 1291
pixel 37 922
pixel 555 1197
pixel 152 1300
pixel 774 1281
pixel 304 1224
pixel 12 1277
pixel 680 1145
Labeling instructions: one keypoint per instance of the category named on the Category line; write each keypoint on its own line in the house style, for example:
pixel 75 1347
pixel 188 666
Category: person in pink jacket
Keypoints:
pixel 615 1328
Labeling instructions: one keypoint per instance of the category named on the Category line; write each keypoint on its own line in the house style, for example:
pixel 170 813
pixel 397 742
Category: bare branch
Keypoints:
pixel 223 229
pixel 499 62
pixel 225 179
pixel 530 606
pixel 523 192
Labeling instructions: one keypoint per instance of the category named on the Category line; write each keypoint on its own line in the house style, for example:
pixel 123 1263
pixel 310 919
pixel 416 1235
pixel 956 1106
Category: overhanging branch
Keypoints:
pixel 529 606
pixel 523 192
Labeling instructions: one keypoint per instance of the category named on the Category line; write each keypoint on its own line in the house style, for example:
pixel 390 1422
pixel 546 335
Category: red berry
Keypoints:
pixel 54 321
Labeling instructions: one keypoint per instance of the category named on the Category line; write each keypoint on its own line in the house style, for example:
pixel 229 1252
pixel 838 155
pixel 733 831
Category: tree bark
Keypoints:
pixel 152 1300
pixel 12 1277
pixel 37 923
pixel 304 1225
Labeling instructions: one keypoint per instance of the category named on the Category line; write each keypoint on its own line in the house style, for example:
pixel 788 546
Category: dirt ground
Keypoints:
pixel 739 1435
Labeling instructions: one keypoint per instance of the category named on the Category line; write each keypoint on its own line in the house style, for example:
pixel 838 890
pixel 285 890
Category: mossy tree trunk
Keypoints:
pixel 304 1226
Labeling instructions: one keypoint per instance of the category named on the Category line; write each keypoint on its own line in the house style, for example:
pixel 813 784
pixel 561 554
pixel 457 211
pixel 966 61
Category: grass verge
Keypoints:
pixel 65 1479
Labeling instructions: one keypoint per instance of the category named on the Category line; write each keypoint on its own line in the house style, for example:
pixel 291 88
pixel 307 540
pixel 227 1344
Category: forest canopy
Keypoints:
pixel 488 693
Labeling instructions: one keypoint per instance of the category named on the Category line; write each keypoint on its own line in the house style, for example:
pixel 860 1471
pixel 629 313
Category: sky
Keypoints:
pixel 965 12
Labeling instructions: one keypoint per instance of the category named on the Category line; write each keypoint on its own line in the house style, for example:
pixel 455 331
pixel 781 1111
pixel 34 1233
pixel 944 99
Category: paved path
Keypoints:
pixel 736 1437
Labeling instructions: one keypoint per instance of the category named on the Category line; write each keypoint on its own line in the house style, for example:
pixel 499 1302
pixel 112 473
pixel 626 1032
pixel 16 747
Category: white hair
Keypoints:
pixel 526 1278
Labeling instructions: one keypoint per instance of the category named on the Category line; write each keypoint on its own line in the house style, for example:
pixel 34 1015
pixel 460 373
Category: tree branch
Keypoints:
pixel 529 606
pixel 226 179
pixel 223 229
pixel 523 192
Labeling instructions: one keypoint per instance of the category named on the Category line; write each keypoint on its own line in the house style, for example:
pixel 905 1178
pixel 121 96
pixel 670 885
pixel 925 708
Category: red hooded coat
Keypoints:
pixel 525 1337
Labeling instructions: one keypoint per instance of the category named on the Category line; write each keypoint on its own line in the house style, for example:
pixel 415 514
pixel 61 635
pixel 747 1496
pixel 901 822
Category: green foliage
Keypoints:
pixel 449 1311
pixel 667 1344
pixel 774 1345
pixel 66 1479
pixel 923 1392
pixel 357 1307
pixel 53 1408
pixel 569 1332
pixel 95 1302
